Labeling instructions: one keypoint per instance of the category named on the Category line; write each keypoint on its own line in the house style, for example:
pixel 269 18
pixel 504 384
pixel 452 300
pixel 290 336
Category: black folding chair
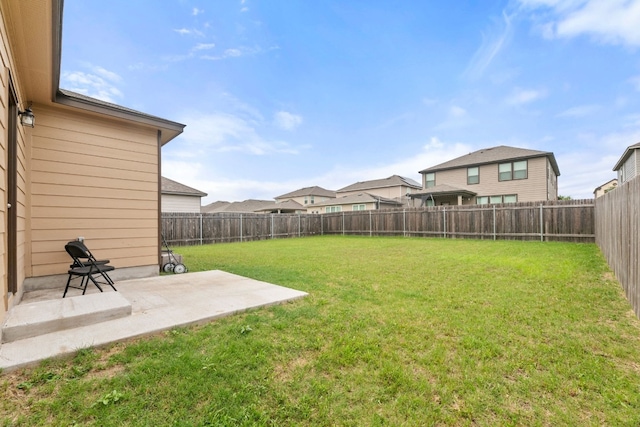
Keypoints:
pixel 87 257
pixel 86 268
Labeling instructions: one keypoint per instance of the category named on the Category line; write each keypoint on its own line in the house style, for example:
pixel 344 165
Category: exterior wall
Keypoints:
pixel 345 207
pixel 301 200
pixel 96 178
pixel 630 168
pixel 177 203
pixel 397 193
pixel 6 70
pixel 534 188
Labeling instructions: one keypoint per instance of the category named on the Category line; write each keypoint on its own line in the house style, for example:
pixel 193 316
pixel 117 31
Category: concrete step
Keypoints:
pixel 38 318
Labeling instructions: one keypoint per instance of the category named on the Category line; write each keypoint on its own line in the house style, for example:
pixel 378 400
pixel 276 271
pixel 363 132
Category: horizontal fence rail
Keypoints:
pixel 618 236
pixel 564 220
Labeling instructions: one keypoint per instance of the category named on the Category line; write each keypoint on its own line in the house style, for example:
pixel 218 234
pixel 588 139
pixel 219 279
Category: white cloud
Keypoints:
pixel 98 83
pixel 188 32
pixel 607 21
pixel 287 121
pixel 635 81
pixel 456 111
pixel 204 46
pixel 524 96
pixel 227 132
pixel 580 111
pixel 196 11
pixel 491 46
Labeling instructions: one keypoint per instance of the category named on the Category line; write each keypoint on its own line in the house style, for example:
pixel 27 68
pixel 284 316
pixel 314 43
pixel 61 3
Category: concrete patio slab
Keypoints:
pixel 157 304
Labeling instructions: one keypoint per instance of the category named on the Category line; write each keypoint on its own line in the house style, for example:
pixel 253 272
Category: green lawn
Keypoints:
pixel 395 331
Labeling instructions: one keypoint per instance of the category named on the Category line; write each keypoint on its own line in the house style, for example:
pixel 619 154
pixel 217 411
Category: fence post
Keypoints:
pixel 370 225
pixel 299 231
pixel 404 222
pixel 271 226
pixel 541 224
pixel 444 222
pixel 321 225
pixel 241 227
pixel 494 222
pixel 200 229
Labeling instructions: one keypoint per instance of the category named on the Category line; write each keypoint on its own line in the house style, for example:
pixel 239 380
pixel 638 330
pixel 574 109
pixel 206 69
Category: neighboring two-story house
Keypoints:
pixel 355 202
pixel 628 167
pixel 492 175
pixel 307 197
pixel 395 188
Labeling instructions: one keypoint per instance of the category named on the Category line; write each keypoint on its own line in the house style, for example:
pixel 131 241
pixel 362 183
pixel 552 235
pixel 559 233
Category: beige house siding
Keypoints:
pixel 6 61
pixel 97 179
pixel 345 207
pixel 534 188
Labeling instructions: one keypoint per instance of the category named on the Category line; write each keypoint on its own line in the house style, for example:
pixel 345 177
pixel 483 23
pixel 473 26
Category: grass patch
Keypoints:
pixel 395 331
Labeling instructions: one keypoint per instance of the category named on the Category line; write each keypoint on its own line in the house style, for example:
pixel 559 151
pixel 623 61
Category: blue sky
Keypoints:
pixel 283 94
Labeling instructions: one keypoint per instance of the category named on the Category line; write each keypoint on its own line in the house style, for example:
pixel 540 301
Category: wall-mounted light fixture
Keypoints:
pixel 27 118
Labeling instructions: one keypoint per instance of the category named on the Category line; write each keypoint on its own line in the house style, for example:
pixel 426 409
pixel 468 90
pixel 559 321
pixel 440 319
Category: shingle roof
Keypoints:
pixel 357 198
pixel 626 155
pixel 309 191
pixel 443 189
pixel 392 181
pixel 246 206
pixel 288 205
pixel 214 207
pixel 493 155
pixel 173 187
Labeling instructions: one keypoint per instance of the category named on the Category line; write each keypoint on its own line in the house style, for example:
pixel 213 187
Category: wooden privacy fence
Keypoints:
pixel 618 236
pixel 569 220
pixel 564 220
pixel 197 229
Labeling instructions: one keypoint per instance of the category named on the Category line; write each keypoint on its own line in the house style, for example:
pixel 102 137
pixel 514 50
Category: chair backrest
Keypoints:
pixel 78 251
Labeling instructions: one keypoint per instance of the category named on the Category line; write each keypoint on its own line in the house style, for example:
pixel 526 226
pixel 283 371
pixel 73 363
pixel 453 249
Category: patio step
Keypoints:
pixel 38 318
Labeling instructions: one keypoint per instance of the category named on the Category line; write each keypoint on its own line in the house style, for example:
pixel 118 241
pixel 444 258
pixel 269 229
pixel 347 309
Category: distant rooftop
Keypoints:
pixel 392 181
pixel 172 187
pixel 308 191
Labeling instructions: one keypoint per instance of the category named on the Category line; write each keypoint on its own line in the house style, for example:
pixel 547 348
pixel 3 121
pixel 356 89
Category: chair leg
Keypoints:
pixel 66 288
pixel 95 282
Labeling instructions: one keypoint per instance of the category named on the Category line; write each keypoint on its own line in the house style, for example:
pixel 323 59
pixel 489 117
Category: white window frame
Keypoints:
pixel 473 178
pixel 428 183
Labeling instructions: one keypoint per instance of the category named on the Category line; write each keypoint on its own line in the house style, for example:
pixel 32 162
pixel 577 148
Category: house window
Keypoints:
pixel 430 180
pixel 512 170
pixel 358 207
pixel 485 200
pixel 331 209
pixel 306 200
pixel 473 175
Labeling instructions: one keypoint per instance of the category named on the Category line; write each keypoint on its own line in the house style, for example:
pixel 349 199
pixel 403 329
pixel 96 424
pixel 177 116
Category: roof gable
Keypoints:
pixel 172 187
pixel 497 154
pixel 309 191
pixel 626 155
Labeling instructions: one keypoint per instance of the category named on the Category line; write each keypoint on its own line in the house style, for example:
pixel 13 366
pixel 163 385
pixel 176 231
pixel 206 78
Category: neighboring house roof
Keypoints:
pixel 626 155
pixel 309 191
pixel 214 207
pixel 444 190
pixel 284 207
pixel 358 198
pixel 611 183
pixel 493 155
pixel 172 187
pixel 247 206
pixel 392 181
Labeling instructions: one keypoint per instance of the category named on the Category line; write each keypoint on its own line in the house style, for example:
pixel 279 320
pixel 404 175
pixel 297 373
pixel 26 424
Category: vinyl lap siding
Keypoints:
pixel 177 203
pixel 532 189
pixel 97 179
